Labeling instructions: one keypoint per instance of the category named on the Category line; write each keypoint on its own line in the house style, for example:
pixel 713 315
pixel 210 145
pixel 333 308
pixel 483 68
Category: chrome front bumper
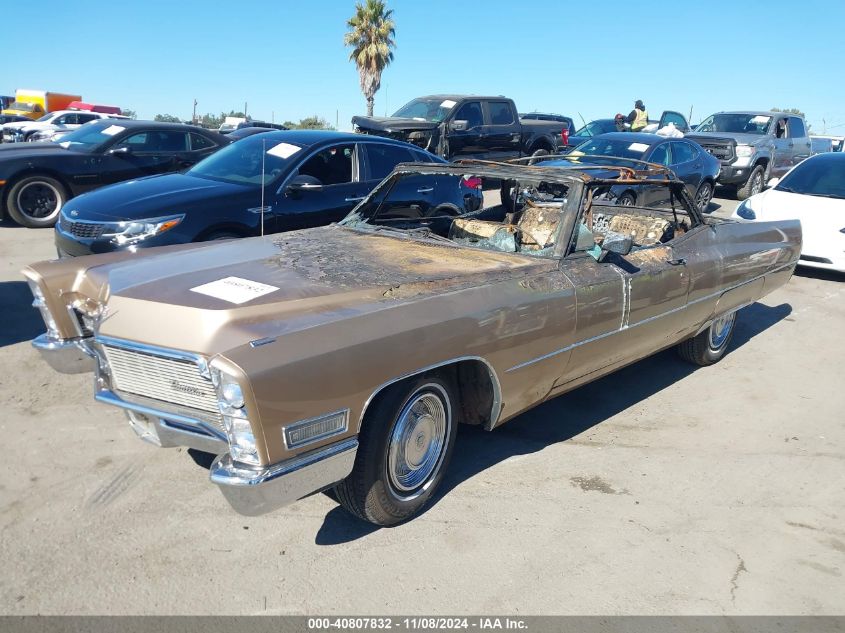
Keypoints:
pixel 255 491
pixel 65 356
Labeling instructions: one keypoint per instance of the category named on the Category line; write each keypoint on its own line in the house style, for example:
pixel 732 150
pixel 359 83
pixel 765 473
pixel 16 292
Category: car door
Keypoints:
pixel 332 188
pixel 379 161
pixel 627 305
pixel 688 164
pixel 146 153
pixel 653 195
pixel 678 119
pixel 201 147
pixel 801 144
pixel 465 130
pixel 783 147
pixel 502 134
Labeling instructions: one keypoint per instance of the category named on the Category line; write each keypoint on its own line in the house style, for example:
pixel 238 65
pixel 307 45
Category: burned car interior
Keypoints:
pixel 545 215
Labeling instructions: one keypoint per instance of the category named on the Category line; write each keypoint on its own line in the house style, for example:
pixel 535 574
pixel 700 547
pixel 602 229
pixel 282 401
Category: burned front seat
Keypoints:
pixel 645 230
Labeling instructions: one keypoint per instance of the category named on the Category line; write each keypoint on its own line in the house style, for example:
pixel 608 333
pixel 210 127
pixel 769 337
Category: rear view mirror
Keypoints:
pixel 773 183
pixel 304 183
pixel 618 243
pixel 459 126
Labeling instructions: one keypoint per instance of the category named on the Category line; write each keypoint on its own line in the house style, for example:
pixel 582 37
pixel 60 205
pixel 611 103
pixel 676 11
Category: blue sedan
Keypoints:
pixel 690 162
pixel 266 183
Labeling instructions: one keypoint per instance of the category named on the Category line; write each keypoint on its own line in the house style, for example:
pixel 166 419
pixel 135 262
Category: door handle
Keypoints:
pixel 355 199
pixel 677 262
pixel 792 145
pixel 425 189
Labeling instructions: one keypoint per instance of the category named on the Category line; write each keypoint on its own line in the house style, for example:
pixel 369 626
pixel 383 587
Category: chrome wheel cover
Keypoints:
pixel 39 200
pixel 720 329
pixel 626 201
pixel 418 441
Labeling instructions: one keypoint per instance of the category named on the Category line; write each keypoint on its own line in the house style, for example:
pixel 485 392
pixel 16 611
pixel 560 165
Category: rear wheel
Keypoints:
pixel 627 199
pixel 537 154
pixel 709 346
pixel 703 196
pixel 35 201
pixel 753 185
pixel 405 445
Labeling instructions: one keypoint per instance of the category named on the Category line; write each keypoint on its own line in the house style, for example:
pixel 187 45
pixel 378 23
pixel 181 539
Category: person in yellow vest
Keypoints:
pixel 638 118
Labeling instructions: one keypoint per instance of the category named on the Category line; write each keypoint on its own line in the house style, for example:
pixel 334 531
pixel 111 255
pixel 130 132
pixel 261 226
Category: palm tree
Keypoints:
pixel 371 32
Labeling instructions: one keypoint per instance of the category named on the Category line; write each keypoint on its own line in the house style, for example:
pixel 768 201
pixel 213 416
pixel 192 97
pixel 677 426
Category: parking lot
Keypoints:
pixel 659 489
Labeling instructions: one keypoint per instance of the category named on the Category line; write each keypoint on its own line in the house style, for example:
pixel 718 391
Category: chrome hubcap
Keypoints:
pixel 418 440
pixel 720 329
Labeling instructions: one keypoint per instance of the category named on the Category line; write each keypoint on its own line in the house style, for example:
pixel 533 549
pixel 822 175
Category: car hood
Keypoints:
pixel 392 124
pixel 16 125
pixel 151 197
pixel 821 218
pixel 315 276
pixel 741 139
pixel 19 151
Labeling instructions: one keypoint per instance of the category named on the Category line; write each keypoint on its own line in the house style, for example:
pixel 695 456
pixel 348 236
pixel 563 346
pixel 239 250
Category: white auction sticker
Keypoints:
pixel 638 147
pixel 284 150
pixel 234 289
pixel 113 129
pixel 760 118
pixel 448 104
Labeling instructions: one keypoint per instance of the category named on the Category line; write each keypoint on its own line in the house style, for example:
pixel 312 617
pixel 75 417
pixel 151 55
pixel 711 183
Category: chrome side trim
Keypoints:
pixel 66 356
pixel 495 410
pixel 626 327
pixel 255 491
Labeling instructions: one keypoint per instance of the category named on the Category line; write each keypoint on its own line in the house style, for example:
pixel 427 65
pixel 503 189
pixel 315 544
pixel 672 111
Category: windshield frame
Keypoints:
pixel 434 101
pixel 224 153
pixel 710 120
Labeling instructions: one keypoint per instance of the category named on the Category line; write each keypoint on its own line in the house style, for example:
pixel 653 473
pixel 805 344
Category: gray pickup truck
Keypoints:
pixel 460 126
pixel 753 147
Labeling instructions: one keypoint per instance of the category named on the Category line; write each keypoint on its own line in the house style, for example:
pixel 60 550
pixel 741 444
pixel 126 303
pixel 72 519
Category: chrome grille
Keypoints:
pixel 171 380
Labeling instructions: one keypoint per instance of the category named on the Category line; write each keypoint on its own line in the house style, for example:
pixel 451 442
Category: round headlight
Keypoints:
pixel 233 395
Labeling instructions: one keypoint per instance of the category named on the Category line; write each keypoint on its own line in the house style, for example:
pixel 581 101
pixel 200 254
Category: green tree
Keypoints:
pixel 371 33
pixel 129 113
pixel 167 118
pixel 788 111
pixel 309 123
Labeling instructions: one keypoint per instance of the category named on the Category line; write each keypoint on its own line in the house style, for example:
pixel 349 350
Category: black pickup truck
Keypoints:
pixel 461 126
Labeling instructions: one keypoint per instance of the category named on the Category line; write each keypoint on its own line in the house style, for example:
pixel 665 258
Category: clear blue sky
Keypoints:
pixel 287 59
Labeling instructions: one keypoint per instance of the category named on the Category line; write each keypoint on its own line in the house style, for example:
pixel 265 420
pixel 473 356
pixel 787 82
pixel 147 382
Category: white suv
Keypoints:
pixel 59 120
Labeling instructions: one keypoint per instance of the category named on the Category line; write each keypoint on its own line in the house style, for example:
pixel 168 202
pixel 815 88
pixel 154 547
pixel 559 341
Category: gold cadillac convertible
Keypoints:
pixel 343 357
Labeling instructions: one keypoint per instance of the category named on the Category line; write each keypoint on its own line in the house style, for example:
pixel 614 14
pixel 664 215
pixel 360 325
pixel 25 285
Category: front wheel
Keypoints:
pixel 753 185
pixel 35 201
pixel 405 444
pixel 627 199
pixel 709 346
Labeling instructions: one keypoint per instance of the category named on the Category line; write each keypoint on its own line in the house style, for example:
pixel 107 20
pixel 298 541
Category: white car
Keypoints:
pixel 813 192
pixel 59 120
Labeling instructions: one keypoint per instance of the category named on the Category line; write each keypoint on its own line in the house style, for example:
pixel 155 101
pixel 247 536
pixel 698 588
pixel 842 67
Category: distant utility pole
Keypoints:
pixel 272 116
pixel 245 116
pixel 337 119
pixel 194 116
